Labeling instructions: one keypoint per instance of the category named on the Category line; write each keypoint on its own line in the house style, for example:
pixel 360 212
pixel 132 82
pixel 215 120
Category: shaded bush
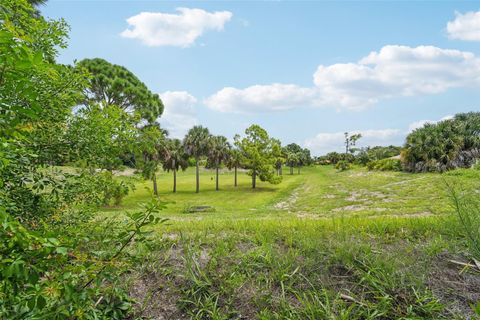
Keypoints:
pixel 98 188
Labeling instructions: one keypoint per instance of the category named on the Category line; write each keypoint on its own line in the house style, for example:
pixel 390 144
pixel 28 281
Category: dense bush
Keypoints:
pixel 97 188
pixel 66 274
pixel 361 156
pixel 334 157
pixel 54 263
pixel 385 165
pixel 366 155
pixel 445 145
pixel 343 165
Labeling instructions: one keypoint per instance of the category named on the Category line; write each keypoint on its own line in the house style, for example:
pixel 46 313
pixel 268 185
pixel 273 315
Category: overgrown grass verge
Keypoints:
pixel 321 269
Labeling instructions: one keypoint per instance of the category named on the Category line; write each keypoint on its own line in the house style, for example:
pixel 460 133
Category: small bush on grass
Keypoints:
pixel 343 165
pixel 385 165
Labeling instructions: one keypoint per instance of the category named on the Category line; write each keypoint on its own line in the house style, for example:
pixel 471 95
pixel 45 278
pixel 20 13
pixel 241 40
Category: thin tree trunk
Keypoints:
pixel 291 170
pixel 216 179
pixel 254 179
pixel 174 177
pixel 281 166
pixel 235 176
pixel 298 169
pixel 155 189
pixel 197 190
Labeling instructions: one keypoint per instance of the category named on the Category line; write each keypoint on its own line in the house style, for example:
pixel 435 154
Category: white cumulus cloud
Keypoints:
pixel 260 98
pixel 326 142
pixel 465 26
pixel 394 71
pixel 179 114
pixel 397 71
pixel 181 29
pixel 418 124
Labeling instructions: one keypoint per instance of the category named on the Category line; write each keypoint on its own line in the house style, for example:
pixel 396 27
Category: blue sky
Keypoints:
pixel 306 71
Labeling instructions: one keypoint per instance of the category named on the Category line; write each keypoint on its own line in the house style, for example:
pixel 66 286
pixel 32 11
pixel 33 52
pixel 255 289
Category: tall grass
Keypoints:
pixel 467 208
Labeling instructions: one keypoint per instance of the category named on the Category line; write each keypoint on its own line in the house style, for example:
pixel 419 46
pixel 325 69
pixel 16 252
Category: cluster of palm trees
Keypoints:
pixel 199 146
pixel 200 143
pixel 294 157
pixel 173 154
pixel 448 144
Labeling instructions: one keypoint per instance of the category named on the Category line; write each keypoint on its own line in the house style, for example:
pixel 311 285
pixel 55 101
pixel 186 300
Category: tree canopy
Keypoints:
pixel 111 84
pixel 259 154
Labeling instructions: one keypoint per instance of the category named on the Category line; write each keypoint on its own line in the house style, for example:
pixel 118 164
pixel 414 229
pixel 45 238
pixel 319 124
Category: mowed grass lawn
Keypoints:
pixel 315 192
pixel 229 202
pixel 321 245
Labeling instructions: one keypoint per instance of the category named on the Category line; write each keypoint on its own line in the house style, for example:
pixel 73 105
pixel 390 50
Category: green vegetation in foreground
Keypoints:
pixel 325 245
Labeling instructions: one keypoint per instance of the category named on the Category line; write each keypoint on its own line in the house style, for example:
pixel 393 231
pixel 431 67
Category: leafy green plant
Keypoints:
pixel 343 165
pixel 43 276
pixel 97 188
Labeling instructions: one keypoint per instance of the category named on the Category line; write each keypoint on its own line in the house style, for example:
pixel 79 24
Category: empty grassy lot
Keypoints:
pixel 321 245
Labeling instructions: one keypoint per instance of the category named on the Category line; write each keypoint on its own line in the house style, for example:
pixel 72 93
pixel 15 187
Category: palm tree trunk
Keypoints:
pixel 174 177
pixel 254 179
pixel 197 190
pixel 216 179
pixel 235 176
pixel 155 189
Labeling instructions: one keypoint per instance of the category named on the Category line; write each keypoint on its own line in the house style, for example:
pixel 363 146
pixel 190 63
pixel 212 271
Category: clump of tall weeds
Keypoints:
pixel 466 205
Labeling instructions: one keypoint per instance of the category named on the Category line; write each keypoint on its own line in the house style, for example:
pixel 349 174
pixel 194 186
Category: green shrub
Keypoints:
pixel 343 165
pixel 385 165
pixel 97 188
pixel 48 275
pixel 366 155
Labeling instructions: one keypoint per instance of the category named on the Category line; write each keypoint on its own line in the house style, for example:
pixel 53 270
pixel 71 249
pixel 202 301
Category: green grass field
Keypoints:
pixel 320 245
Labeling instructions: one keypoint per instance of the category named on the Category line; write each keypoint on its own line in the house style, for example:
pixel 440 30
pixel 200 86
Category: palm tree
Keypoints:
pixel 196 144
pixel 279 165
pixel 234 161
pixel 150 144
pixel 35 4
pixel 292 160
pixel 174 158
pixel 218 151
